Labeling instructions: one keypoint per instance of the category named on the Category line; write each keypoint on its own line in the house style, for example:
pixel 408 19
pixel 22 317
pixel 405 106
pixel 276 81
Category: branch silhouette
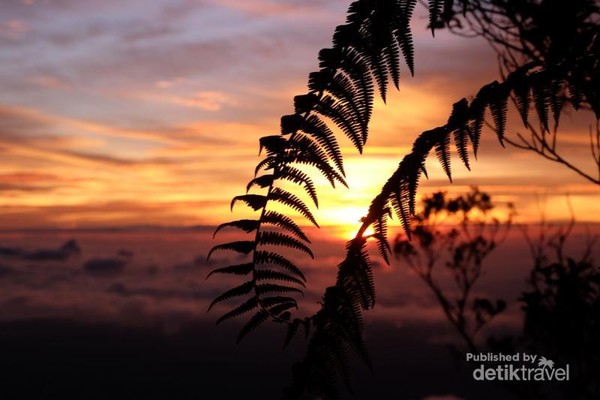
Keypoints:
pixel 539 142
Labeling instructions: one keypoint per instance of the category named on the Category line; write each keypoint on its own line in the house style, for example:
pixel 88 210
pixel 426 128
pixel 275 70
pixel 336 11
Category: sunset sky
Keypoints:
pixel 132 113
pixel 146 114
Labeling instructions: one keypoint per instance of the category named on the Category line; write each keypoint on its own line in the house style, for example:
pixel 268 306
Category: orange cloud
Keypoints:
pixel 17 118
pixel 209 101
pixel 272 8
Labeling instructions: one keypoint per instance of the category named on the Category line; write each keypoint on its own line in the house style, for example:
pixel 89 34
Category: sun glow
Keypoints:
pixel 348 221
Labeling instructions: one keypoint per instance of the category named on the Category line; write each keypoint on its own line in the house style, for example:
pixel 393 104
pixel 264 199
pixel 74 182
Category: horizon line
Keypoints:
pixel 212 227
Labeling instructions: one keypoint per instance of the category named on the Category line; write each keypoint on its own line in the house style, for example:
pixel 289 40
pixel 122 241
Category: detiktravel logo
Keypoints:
pixel 516 367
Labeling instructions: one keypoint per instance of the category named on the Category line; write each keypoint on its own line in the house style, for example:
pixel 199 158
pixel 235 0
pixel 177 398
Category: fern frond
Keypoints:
pixel 435 12
pixel 322 166
pixel 340 87
pixel 459 117
pixel 330 58
pixel 286 223
pixel 402 210
pixel 265 288
pixel 541 96
pixel 237 291
pixel 353 330
pixel 267 258
pixel 291 124
pixel 281 309
pixel 305 103
pixel 356 327
pixel 556 99
pixel 247 225
pixel 275 144
pixel 477 109
pixel 413 166
pixel 521 90
pixel 243 246
pixel 350 91
pixel 319 132
pixel 298 177
pixel 383 245
pixel 442 151
pixel 424 171
pixel 290 200
pixel 239 269
pixel 356 68
pixel 365 282
pixel 499 109
pixel 423 144
pixel 257 320
pixel 393 63
pixel 348 34
pixel 267 274
pixel 243 308
pixel 355 275
pixel 380 73
pixel 331 337
pixel 263 181
pixel 329 108
pixel 460 140
pixel 407 7
pixel 275 300
pixel 255 201
pixel 460 113
pixel 575 94
pixel 266 164
pixel 306 150
pixel 280 239
pixel 404 34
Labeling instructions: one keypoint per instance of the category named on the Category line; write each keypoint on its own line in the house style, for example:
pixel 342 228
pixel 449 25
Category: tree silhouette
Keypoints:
pixel 560 304
pixel 448 232
pixel 550 70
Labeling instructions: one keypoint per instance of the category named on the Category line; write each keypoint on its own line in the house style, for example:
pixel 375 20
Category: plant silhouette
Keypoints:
pixel 447 232
pixel 543 71
pixel 560 305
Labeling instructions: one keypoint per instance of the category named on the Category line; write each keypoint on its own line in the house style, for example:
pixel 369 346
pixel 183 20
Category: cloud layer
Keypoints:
pixel 114 107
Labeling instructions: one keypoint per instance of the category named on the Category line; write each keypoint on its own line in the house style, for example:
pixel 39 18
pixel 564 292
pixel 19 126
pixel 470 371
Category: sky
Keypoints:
pixel 129 113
